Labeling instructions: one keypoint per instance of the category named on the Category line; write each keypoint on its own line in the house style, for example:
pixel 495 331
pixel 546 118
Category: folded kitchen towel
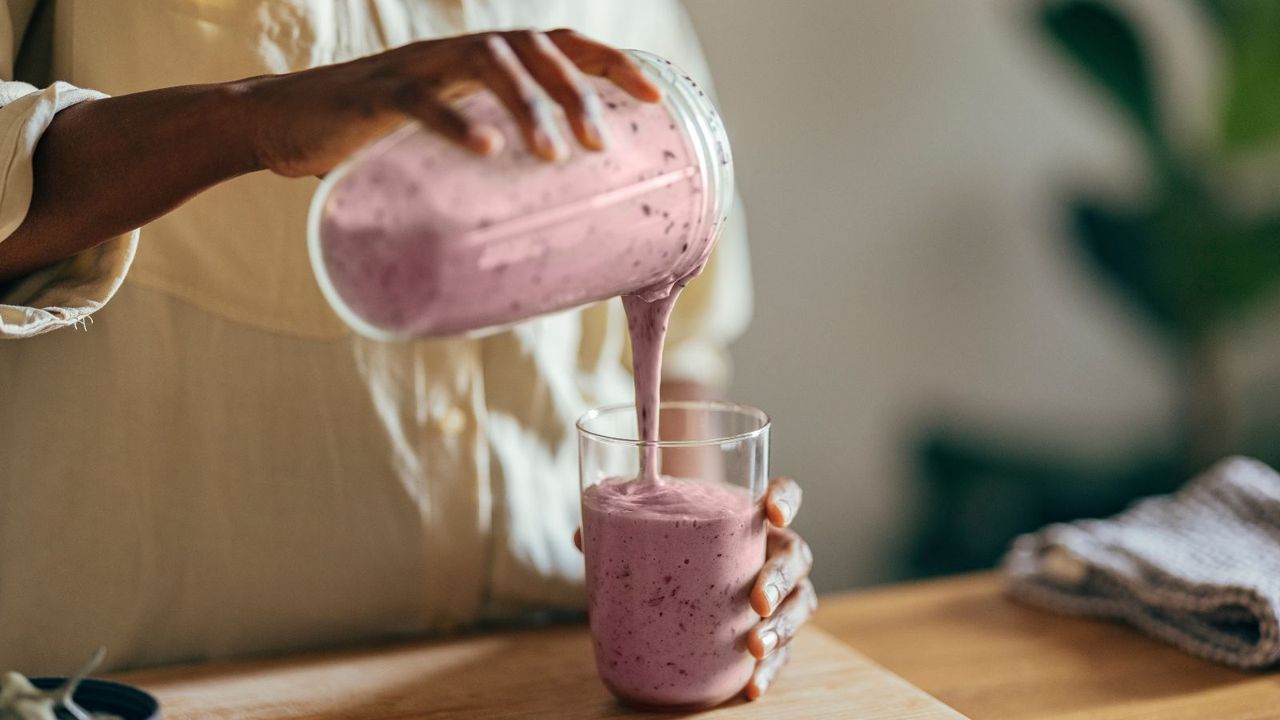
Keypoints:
pixel 1199 568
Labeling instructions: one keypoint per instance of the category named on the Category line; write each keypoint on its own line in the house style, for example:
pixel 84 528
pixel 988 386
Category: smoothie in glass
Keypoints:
pixel 671 561
pixel 669 574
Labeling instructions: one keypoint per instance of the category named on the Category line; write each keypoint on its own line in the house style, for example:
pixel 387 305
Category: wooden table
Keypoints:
pixel 987 657
pixel 956 639
pixel 543 674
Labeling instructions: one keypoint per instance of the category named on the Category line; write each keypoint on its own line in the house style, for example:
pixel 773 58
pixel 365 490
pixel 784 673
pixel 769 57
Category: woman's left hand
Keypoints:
pixel 783 595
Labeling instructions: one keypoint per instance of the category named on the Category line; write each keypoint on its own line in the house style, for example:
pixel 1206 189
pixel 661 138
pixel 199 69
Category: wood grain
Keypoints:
pixel 957 639
pixel 961 641
pixel 538 674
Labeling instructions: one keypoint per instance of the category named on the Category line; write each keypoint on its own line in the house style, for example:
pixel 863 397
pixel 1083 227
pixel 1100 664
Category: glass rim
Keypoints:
pixel 718 405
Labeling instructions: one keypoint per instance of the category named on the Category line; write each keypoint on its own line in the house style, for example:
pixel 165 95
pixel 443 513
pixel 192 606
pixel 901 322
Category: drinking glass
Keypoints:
pixel 671 560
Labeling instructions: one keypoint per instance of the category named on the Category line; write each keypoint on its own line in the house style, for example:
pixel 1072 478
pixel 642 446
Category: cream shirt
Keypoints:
pixel 212 464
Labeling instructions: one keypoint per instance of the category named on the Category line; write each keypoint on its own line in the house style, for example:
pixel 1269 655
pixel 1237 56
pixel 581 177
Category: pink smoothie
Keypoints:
pixel 418 238
pixel 647 325
pixel 650 538
pixel 670 565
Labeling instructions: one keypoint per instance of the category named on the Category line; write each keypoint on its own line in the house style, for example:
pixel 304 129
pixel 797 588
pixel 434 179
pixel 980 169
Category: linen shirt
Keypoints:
pixel 212 464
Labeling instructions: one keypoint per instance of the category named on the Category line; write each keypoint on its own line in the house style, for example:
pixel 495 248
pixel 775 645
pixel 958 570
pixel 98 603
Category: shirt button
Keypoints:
pixel 451 421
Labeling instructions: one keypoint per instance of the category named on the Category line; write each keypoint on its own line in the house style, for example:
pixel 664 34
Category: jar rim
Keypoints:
pixel 705 130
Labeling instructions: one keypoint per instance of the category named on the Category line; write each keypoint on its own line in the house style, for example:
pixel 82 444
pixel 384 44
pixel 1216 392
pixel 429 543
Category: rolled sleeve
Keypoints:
pixel 67 292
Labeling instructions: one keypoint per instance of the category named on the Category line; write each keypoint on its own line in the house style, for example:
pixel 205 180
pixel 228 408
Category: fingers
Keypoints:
pixel 783 501
pixel 778 629
pixel 766 672
pixel 561 80
pixel 414 100
pixel 530 72
pixel 523 97
pixel 789 561
pixel 594 58
pixel 769 641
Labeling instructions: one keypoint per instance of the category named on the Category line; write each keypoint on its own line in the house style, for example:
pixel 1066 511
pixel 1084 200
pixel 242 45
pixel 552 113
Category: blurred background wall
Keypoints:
pixel 943 364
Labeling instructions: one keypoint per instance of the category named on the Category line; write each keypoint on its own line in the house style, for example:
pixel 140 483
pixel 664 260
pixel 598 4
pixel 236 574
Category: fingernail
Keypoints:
pixel 593 112
pixel 485 140
pixel 784 507
pixel 596 138
pixel 773 594
pixel 757 688
pixel 548 145
pixel 768 641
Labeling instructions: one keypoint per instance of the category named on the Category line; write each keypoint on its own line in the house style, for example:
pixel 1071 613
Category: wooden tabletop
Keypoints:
pixel 957 640
pixel 961 641
pixel 530 675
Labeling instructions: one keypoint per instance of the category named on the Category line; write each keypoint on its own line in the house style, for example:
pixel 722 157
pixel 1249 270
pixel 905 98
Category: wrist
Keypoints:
pixel 233 107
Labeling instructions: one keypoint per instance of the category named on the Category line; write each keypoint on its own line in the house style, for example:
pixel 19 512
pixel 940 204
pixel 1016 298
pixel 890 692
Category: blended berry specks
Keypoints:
pixel 684 619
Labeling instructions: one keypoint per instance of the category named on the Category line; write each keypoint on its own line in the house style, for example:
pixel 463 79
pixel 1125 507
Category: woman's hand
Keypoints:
pixel 104 167
pixel 782 595
pixel 305 123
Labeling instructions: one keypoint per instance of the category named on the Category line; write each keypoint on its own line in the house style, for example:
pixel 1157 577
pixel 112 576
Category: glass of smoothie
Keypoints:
pixel 673 532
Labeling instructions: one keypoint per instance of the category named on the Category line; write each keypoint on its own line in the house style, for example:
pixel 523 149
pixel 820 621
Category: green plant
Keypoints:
pixel 1188 263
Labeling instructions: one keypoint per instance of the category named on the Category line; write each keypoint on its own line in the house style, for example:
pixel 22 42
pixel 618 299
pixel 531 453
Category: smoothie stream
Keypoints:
pixel 417 238
pixel 647 323
pixel 669 561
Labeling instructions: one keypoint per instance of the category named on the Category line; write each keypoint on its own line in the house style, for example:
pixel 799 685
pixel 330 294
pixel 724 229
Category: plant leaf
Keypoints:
pixel 1219 11
pixel 1242 267
pixel 1189 268
pixel 1106 45
pixel 1123 247
pixel 1251 30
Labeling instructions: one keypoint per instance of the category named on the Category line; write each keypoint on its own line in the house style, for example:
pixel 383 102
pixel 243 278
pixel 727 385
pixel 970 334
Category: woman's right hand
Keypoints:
pixel 104 167
pixel 305 123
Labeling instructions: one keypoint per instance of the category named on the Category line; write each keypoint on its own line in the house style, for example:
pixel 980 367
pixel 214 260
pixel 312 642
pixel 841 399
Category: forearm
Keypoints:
pixel 105 167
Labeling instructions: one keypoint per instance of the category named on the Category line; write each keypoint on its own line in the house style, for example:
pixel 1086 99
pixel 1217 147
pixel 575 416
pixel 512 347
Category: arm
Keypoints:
pixel 106 166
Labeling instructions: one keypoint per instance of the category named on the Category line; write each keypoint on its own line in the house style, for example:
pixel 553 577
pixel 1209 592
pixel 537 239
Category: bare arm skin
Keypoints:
pixel 107 166
pixel 104 167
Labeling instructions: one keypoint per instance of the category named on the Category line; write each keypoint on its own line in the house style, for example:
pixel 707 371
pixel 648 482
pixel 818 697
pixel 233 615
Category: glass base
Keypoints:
pixel 647 706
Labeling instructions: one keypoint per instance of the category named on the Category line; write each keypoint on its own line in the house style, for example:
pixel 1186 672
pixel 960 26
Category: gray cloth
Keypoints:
pixel 1199 568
